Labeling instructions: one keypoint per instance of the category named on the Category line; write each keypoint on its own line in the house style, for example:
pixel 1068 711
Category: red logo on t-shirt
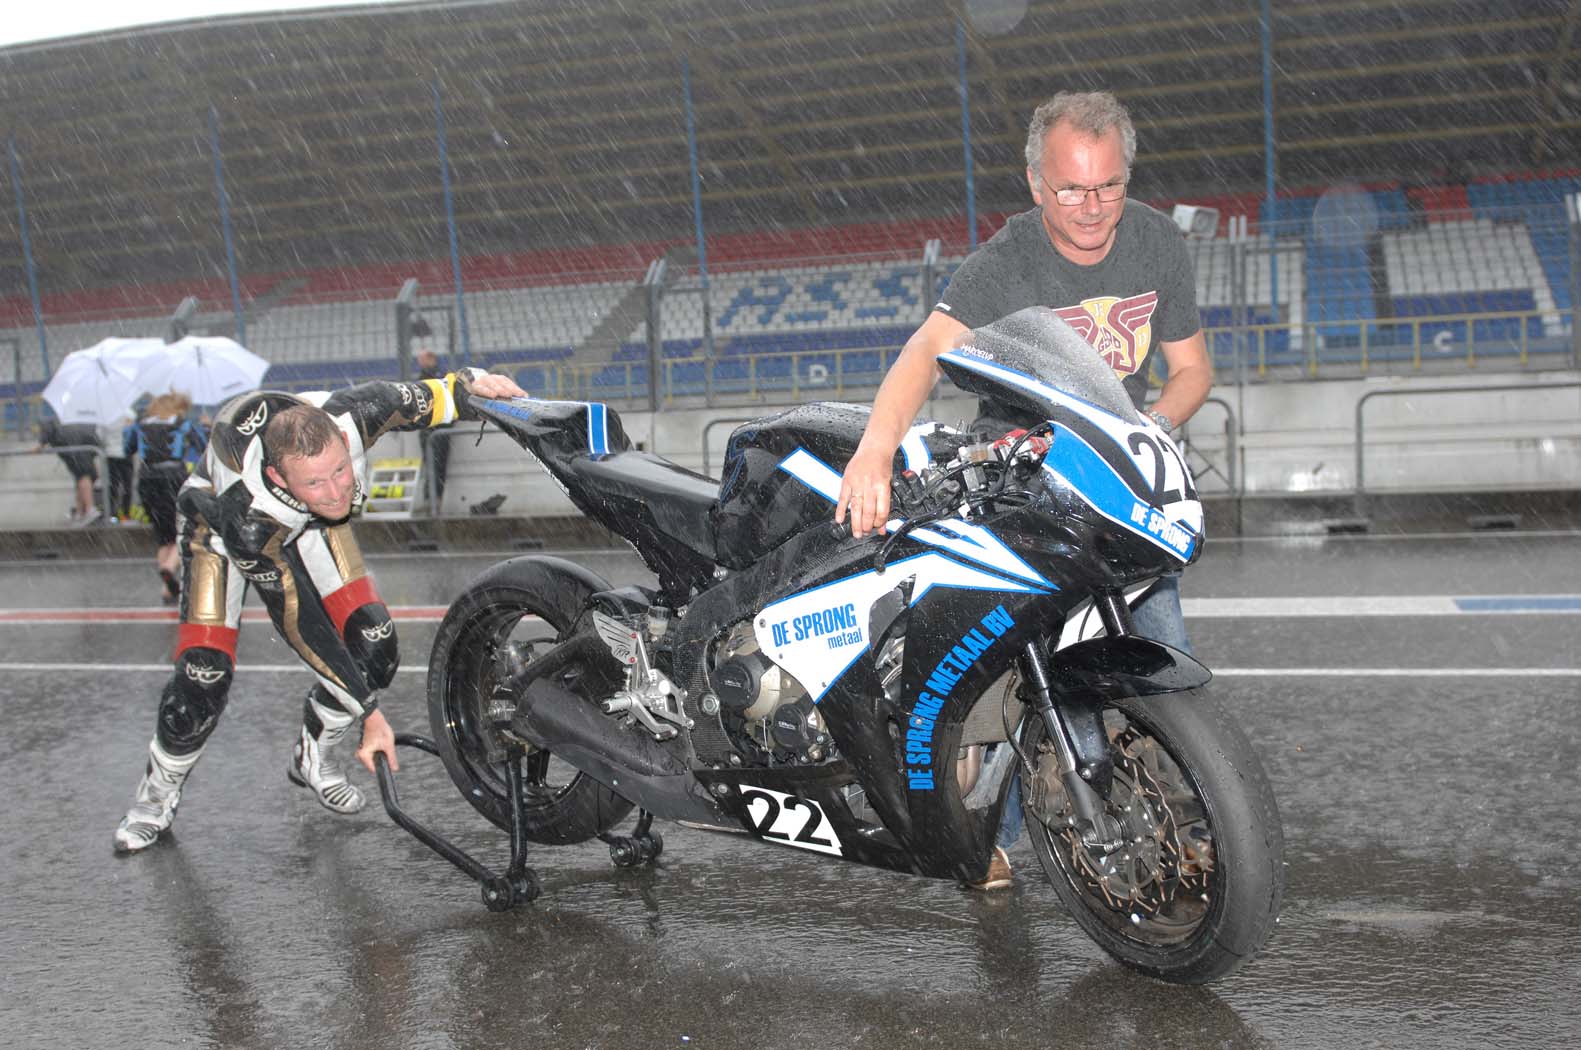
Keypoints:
pixel 1119 329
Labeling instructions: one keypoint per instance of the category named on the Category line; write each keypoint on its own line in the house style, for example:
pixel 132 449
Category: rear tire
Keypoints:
pixel 505 618
pixel 1195 891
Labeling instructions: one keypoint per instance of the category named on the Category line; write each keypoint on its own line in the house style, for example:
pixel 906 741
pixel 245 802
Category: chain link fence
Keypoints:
pixel 1349 288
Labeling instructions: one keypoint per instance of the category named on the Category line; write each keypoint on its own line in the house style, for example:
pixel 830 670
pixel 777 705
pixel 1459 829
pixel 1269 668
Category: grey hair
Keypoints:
pixel 1093 112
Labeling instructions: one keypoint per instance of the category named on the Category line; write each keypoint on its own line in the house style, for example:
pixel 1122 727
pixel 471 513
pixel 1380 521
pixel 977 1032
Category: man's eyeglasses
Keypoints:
pixel 1072 196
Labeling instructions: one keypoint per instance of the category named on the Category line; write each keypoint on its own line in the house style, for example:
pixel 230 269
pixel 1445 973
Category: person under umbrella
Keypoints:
pixel 166 441
pixel 99 385
pixel 52 433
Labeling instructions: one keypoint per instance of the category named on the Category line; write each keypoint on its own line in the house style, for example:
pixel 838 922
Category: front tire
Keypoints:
pixel 1195 889
pixel 508 616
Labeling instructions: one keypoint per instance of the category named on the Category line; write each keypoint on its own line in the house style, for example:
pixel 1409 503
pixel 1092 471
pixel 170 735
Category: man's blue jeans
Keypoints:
pixel 1158 618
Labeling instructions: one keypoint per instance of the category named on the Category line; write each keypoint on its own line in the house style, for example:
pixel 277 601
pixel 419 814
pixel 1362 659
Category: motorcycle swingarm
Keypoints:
pixel 518 884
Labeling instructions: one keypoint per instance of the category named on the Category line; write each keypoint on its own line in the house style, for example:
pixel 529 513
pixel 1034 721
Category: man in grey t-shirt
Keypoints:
pixel 1116 270
pixel 1141 295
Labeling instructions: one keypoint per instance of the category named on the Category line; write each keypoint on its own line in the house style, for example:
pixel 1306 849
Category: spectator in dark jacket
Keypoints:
pixel 83 464
pixel 166 441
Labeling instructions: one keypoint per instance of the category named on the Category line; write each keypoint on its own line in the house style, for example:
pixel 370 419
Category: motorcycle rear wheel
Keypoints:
pixel 509 615
pixel 1195 890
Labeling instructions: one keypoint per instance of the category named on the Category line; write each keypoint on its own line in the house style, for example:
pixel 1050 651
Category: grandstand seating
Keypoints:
pixel 1275 281
pixel 1536 202
pixel 1473 267
pixel 797 298
pixel 1328 283
pixel 806 112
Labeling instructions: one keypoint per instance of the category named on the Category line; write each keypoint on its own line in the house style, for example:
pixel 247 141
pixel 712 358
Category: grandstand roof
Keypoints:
pixel 566 121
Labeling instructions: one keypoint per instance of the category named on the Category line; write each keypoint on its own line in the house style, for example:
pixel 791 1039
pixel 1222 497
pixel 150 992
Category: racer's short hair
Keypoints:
pixel 301 430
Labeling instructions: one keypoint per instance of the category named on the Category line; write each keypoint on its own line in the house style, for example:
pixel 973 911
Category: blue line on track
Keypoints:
pixel 1534 603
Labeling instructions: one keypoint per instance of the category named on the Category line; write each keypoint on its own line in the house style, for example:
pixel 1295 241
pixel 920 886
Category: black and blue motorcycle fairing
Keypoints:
pixel 967 596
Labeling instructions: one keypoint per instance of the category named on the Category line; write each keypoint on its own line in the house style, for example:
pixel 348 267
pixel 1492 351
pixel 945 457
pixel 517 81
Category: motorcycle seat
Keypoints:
pixel 640 487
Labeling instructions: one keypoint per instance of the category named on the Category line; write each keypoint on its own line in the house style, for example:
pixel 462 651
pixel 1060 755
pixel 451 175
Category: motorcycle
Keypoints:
pixel 872 699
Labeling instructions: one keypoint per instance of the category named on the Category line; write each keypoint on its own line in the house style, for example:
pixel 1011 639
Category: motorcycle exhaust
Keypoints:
pixel 552 717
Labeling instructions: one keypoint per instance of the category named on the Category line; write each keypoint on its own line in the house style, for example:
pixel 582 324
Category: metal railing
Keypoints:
pixel 1379 344
pixel 830 374
pixel 1359 497
pixel 708 429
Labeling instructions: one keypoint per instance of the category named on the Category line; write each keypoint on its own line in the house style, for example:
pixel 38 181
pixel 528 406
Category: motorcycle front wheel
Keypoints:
pixel 506 618
pixel 1194 887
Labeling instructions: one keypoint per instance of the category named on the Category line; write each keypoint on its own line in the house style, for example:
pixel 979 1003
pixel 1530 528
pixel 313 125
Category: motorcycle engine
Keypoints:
pixel 767 713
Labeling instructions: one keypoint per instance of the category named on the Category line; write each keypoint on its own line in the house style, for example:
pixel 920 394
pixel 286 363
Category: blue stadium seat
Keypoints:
pixel 768 293
pixel 1486 333
pixel 1540 204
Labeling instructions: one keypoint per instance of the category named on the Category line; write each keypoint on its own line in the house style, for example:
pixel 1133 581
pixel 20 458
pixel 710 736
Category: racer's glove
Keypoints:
pixel 459 385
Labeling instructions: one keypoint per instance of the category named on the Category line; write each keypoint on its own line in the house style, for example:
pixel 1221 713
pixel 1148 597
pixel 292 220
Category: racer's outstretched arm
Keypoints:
pixel 382 406
pixel 454 393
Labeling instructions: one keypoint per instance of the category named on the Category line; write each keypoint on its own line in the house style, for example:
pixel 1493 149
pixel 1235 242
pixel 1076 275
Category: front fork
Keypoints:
pixel 1095 830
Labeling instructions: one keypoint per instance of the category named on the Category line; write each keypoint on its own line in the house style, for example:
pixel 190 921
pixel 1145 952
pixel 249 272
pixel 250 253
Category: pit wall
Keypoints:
pixel 1299 441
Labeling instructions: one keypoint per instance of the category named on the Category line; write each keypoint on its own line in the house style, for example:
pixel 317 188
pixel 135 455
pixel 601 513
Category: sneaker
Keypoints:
pixel 311 767
pixel 91 515
pixel 998 877
pixel 154 805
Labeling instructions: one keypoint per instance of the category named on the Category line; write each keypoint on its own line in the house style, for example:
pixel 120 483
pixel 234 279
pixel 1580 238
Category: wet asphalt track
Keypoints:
pixel 1431 825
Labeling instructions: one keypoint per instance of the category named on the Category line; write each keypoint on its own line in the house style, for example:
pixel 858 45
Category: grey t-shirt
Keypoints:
pixel 1142 293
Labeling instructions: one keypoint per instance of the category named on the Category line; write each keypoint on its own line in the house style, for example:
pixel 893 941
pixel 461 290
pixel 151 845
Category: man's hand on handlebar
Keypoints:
pixel 864 492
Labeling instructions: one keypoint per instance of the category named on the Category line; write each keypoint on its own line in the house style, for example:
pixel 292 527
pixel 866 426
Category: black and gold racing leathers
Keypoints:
pixel 239 530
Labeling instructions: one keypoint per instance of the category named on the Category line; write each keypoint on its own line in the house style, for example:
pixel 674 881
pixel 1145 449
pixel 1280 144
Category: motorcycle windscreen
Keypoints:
pixel 1035 351
pixel 1122 466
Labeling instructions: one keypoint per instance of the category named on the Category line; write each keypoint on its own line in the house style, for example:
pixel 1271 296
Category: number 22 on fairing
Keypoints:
pixel 790 820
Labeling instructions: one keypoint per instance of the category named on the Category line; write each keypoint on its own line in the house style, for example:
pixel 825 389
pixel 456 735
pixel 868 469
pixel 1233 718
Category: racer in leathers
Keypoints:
pixel 269 507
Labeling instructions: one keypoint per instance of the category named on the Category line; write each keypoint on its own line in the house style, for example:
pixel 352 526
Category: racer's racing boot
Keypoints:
pixel 311 765
pixel 154 806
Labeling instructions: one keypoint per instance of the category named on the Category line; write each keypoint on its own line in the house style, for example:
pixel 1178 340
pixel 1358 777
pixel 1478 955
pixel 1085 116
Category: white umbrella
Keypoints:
pixel 99 384
pixel 209 369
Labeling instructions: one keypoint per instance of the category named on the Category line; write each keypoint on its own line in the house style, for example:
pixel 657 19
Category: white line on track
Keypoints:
pixel 1382 605
pixel 1222 672
pixel 1317 538
pixel 165 668
pixel 1314 538
pixel 1339 607
pixel 1396 672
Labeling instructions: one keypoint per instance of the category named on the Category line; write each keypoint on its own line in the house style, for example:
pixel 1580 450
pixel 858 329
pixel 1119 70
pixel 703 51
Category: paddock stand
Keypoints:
pixel 519 883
